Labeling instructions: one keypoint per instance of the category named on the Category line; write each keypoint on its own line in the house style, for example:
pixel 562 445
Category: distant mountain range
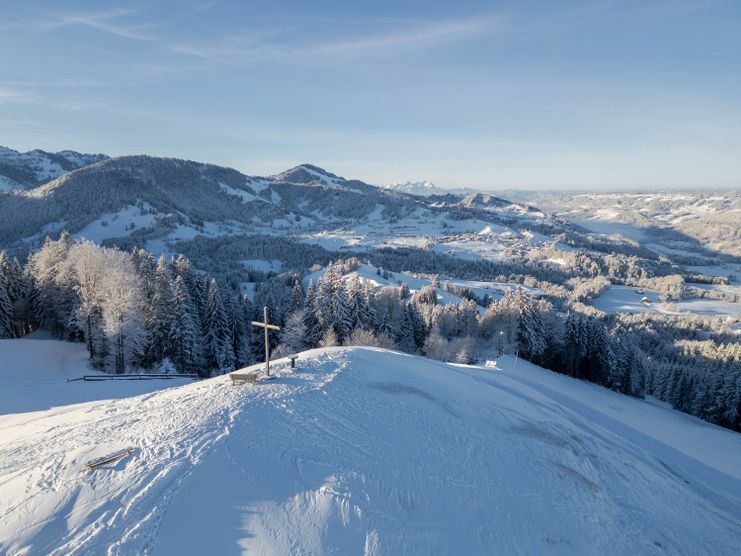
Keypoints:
pixel 426 188
pixel 155 202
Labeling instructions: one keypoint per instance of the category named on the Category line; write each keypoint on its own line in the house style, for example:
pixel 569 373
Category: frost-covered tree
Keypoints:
pixel 54 299
pixel 362 337
pixel 166 367
pixel 293 332
pixel 88 263
pixel 122 317
pixel 330 339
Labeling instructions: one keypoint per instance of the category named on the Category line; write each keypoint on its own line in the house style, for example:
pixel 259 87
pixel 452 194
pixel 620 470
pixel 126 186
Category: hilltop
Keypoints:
pixel 370 451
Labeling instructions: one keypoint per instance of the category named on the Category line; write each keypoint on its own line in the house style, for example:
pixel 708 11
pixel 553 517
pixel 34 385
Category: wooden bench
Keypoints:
pixel 293 360
pixel 250 377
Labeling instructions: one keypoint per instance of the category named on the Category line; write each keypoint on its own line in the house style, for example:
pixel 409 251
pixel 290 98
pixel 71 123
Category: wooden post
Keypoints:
pixel 264 325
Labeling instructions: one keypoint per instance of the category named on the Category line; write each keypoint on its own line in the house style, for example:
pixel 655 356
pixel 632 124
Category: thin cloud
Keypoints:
pixel 106 22
pixel 76 106
pixel 241 50
pixel 14 95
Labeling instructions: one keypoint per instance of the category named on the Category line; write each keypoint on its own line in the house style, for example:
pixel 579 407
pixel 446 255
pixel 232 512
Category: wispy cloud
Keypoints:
pixel 277 45
pixel 15 95
pixel 105 21
pixel 37 94
pixel 77 106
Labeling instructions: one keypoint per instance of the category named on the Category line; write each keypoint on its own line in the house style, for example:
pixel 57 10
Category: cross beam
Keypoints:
pixel 266 326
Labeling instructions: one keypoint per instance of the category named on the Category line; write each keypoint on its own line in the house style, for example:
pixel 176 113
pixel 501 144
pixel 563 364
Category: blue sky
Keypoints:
pixel 518 94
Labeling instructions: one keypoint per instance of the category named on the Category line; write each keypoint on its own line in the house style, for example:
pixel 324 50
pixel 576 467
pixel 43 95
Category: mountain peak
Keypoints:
pixel 309 173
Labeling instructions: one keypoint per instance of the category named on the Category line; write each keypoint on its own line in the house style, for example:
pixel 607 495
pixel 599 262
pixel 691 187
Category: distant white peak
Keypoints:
pixel 416 188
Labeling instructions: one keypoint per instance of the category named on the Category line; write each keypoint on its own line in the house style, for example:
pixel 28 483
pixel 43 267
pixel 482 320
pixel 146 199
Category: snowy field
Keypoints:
pixel 367 451
pixel 625 299
pixel 34 372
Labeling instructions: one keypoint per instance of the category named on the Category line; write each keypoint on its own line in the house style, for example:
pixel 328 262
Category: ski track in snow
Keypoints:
pixel 365 451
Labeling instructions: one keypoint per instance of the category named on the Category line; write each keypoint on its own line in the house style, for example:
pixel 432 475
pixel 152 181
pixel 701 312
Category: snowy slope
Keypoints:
pixel 35 369
pixel 366 451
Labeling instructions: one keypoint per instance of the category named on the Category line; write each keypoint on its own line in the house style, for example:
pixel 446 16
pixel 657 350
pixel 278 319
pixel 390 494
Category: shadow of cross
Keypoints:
pixel 266 326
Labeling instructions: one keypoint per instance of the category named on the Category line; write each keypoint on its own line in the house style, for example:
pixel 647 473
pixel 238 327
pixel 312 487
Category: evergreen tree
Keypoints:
pixel 404 292
pixel 185 344
pixel 355 302
pixel 216 342
pixel 340 315
pixel 405 333
pixel 241 336
pixel 297 297
pixel 160 320
pixel 313 329
pixel 6 311
pixel 367 316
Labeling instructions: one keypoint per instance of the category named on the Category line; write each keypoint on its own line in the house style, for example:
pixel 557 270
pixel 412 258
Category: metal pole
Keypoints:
pixel 267 357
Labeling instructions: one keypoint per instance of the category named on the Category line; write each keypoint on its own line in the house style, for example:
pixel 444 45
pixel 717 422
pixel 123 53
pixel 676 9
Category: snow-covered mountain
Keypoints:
pixel 425 188
pixel 364 451
pixel 27 170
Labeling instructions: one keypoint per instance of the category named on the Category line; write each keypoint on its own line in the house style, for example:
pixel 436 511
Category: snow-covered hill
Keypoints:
pixel 699 219
pixel 26 170
pixel 366 451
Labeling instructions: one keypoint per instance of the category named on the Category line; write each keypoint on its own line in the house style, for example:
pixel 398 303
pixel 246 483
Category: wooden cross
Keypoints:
pixel 266 327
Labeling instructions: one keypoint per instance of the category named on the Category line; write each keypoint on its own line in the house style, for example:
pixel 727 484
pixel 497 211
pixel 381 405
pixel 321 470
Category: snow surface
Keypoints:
pixel 368 451
pixel 625 299
pixel 263 265
pixel 35 369
pixel 118 224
